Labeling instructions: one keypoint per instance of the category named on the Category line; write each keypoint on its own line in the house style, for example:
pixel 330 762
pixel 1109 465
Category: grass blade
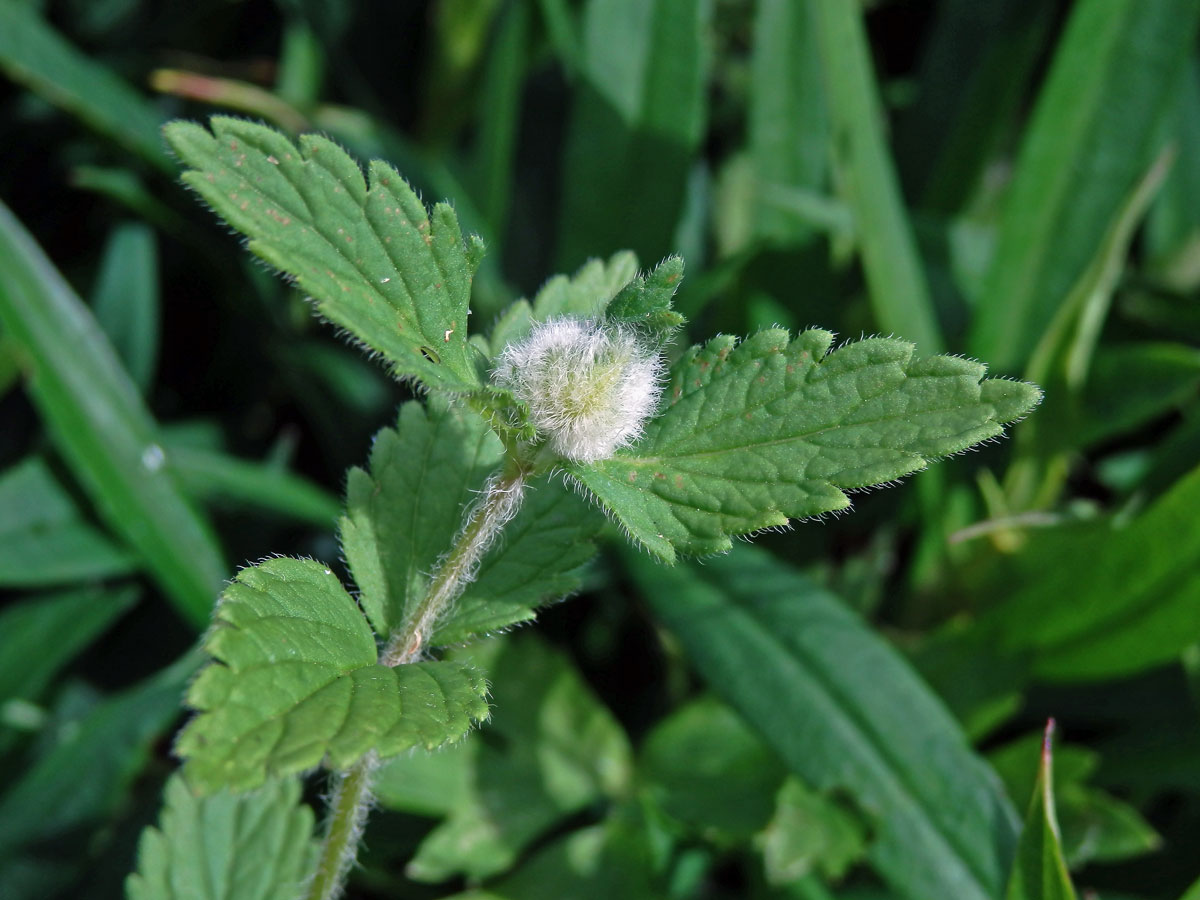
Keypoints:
pixel 100 425
pixel 899 293
pixel 32 53
pixel 1094 132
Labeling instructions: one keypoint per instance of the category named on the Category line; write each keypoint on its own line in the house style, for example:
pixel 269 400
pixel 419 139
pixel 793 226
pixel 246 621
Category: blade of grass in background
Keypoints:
pixel 845 713
pixel 42 634
pixel 1095 129
pixel 84 775
pixel 33 54
pixel 125 299
pixel 43 538
pixel 899 293
pixel 100 425
pixel 219 477
pixel 787 119
pixel 1039 870
pixel 638 118
pixel 499 114
pixel 972 82
pixel 1173 227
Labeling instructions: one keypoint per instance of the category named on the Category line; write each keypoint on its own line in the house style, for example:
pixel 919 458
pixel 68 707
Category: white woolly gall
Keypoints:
pixel 590 386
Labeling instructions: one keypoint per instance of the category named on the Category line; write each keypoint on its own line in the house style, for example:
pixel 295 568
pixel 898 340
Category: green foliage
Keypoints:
pixel 872 729
pixel 100 424
pixel 375 261
pixel 1102 108
pixel 254 846
pixel 1116 623
pixel 395 530
pixel 552 750
pixel 1014 181
pixel 772 428
pixel 1094 824
pixel 296 680
pixel 43 537
pixel 1039 871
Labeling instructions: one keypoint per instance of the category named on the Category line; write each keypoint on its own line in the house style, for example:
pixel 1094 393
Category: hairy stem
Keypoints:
pixel 352 797
pixel 499 503
pixel 348 810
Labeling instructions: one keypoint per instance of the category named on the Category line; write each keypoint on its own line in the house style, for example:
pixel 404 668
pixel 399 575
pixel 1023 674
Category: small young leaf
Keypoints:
pixel 254 846
pixel 768 429
pixel 589 290
pixel 646 302
pixel 395 529
pixel 584 295
pixel 374 260
pixel 1039 870
pixel 297 681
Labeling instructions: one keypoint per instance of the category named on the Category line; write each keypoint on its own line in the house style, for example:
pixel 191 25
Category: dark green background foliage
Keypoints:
pixel 854 708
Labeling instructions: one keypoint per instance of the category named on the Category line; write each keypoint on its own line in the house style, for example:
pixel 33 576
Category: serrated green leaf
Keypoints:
pixel 584 295
pixel 296 681
pixel 404 511
pixel 251 846
pixel 1039 870
pixel 375 261
pixel 758 432
pixel 43 538
pixel 540 558
pixel 403 514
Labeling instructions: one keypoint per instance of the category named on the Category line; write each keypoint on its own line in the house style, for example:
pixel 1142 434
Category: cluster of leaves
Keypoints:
pixel 796 735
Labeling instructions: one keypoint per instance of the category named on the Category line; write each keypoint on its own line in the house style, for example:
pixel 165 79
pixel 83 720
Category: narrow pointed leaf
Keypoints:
pixel 251 846
pixel 396 528
pixel 1039 870
pixel 899 292
pixel 296 681
pixel 126 301
pixel 376 262
pixel 845 713
pixel 34 54
pixel 771 429
pixel 101 426
pixel 1094 131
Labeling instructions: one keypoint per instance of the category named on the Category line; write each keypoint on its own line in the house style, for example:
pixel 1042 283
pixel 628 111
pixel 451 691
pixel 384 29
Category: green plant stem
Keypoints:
pixel 348 810
pixel 500 501
pixel 352 797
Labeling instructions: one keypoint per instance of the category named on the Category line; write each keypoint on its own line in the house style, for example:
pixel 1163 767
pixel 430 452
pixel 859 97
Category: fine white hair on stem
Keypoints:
pixel 590 386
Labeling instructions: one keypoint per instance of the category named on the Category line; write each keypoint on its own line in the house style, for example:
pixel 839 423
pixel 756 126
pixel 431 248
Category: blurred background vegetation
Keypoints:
pixel 1016 180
